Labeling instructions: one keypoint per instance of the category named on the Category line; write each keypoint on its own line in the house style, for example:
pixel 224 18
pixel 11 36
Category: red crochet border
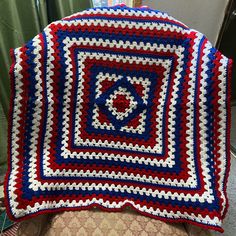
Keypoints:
pixel 228 154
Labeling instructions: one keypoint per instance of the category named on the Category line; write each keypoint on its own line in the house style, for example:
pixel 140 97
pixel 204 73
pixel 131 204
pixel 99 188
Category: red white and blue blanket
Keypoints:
pixel 115 107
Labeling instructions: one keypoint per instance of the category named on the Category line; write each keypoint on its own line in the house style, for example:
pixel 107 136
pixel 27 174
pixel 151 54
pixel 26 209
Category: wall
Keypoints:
pixel 205 16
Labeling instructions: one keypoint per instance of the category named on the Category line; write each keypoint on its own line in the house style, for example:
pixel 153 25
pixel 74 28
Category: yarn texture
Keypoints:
pixel 120 107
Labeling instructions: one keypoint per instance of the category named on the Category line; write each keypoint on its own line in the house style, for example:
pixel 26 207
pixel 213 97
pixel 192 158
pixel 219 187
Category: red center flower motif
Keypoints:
pixel 121 103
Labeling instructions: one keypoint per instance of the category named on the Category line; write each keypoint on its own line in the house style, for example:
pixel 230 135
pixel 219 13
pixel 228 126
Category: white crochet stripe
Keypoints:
pixel 37 114
pixel 223 128
pixel 190 105
pixel 191 182
pixel 130 13
pixel 49 88
pixel 203 121
pixel 167 194
pixel 125 146
pixel 125 23
pixel 17 107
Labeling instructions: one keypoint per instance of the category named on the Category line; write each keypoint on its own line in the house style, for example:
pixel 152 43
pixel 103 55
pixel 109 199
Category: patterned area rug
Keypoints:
pixel 116 107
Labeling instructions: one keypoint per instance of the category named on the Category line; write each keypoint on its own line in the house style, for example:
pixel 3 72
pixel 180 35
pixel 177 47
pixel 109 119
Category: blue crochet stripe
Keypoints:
pixel 64 160
pixel 29 113
pixel 210 120
pixel 85 35
pixel 123 83
pixel 154 39
pixel 197 84
pixel 91 129
pixel 62 35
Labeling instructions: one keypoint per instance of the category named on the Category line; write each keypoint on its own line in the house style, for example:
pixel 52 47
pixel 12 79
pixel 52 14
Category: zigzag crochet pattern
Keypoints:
pixel 115 107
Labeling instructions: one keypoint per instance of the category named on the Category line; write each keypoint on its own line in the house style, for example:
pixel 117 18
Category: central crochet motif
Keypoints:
pixel 121 103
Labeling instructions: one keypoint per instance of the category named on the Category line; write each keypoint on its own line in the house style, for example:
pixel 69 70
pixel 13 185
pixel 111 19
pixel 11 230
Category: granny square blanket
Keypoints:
pixel 120 107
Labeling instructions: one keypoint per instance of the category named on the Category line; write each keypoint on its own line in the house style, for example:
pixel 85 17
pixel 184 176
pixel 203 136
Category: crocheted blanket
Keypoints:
pixel 116 107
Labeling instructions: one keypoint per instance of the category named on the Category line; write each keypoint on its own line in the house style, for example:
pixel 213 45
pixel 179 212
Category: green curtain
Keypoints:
pixel 20 21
